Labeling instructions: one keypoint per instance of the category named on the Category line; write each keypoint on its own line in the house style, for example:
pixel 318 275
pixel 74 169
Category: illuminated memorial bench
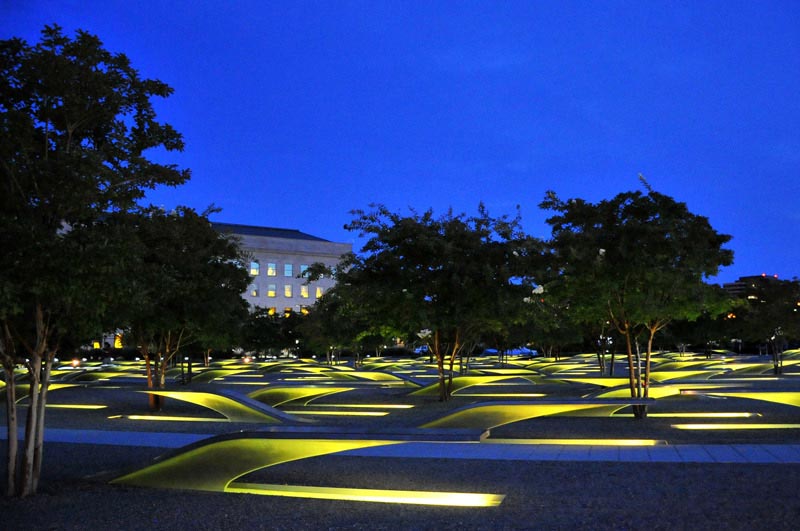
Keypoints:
pixel 233 406
pixel 223 463
pixel 487 415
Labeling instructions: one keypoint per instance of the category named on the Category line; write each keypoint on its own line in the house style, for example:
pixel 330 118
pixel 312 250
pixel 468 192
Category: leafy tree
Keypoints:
pixel 449 278
pixel 262 331
pixel 768 314
pixel 76 123
pixel 639 261
pixel 337 324
pixel 552 321
pixel 187 280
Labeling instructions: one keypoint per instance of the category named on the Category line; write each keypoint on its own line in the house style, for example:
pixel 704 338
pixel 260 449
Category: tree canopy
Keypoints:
pixel 638 261
pixel 76 128
pixel 446 279
pixel 186 281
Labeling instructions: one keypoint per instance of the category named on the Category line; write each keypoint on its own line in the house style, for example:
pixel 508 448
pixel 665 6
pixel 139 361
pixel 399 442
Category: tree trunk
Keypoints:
pixel 38 443
pixel 7 355
pixel 443 395
pixel 601 361
pixel 631 369
pixel 13 433
pixel 453 353
pixel 25 486
pixel 613 359
pixel 153 401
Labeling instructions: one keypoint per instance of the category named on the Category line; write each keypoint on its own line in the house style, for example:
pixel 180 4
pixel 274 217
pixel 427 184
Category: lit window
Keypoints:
pixel 304 310
pixel 287 290
pixel 272 290
pixel 272 311
pixel 253 290
pixel 254 268
pixel 272 269
pixel 303 270
pixel 304 291
pixel 318 293
pixel 287 311
pixel 287 270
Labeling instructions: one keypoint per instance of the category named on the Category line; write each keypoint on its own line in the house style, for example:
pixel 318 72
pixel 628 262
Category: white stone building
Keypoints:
pixel 278 259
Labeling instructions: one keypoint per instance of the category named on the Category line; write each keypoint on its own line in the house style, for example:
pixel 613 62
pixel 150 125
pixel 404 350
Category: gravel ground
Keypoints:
pixel 539 495
pixel 74 492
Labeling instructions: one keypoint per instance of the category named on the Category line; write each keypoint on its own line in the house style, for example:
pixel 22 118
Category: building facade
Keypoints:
pixel 277 261
pixel 748 287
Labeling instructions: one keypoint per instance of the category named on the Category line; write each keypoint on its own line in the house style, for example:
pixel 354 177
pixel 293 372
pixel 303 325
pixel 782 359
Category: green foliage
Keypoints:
pixel 640 259
pixel 76 126
pixel 264 331
pixel 185 280
pixel 637 261
pixel 458 277
pixel 770 306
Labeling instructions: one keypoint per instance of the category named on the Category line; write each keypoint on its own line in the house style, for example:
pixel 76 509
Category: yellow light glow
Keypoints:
pixel 462 382
pixel 697 415
pixel 368 406
pixel 76 406
pixel 168 418
pixel 491 415
pixel 235 411
pixel 453 499
pixel 669 376
pixel 655 390
pixel 277 396
pixel 340 413
pixel 789 398
pixel 504 395
pixel 606 381
pixel 216 464
pixel 581 442
pixel 736 426
pixel 230 382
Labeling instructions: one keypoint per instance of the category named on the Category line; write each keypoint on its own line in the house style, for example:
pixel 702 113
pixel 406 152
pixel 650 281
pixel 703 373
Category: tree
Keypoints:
pixel 76 123
pixel 187 280
pixel 449 279
pixel 638 261
pixel 338 323
pixel 768 314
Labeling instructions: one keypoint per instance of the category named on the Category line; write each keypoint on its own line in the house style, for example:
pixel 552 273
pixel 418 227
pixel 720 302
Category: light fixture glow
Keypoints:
pixel 697 415
pixel 736 426
pixel 503 395
pixel 581 442
pixel 168 418
pixel 76 406
pixel 368 406
pixel 453 499
pixel 340 413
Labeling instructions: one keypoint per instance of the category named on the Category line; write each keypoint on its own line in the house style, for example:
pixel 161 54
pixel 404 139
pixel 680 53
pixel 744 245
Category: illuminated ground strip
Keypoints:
pixel 76 406
pixel 169 418
pixel 368 406
pixel 695 415
pixel 736 426
pixel 454 499
pixel 503 395
pixel 581 442
pixel 339 413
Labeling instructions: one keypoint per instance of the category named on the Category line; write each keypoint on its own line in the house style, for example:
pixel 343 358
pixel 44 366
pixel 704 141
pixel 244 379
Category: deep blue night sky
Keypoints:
pixel 295 113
